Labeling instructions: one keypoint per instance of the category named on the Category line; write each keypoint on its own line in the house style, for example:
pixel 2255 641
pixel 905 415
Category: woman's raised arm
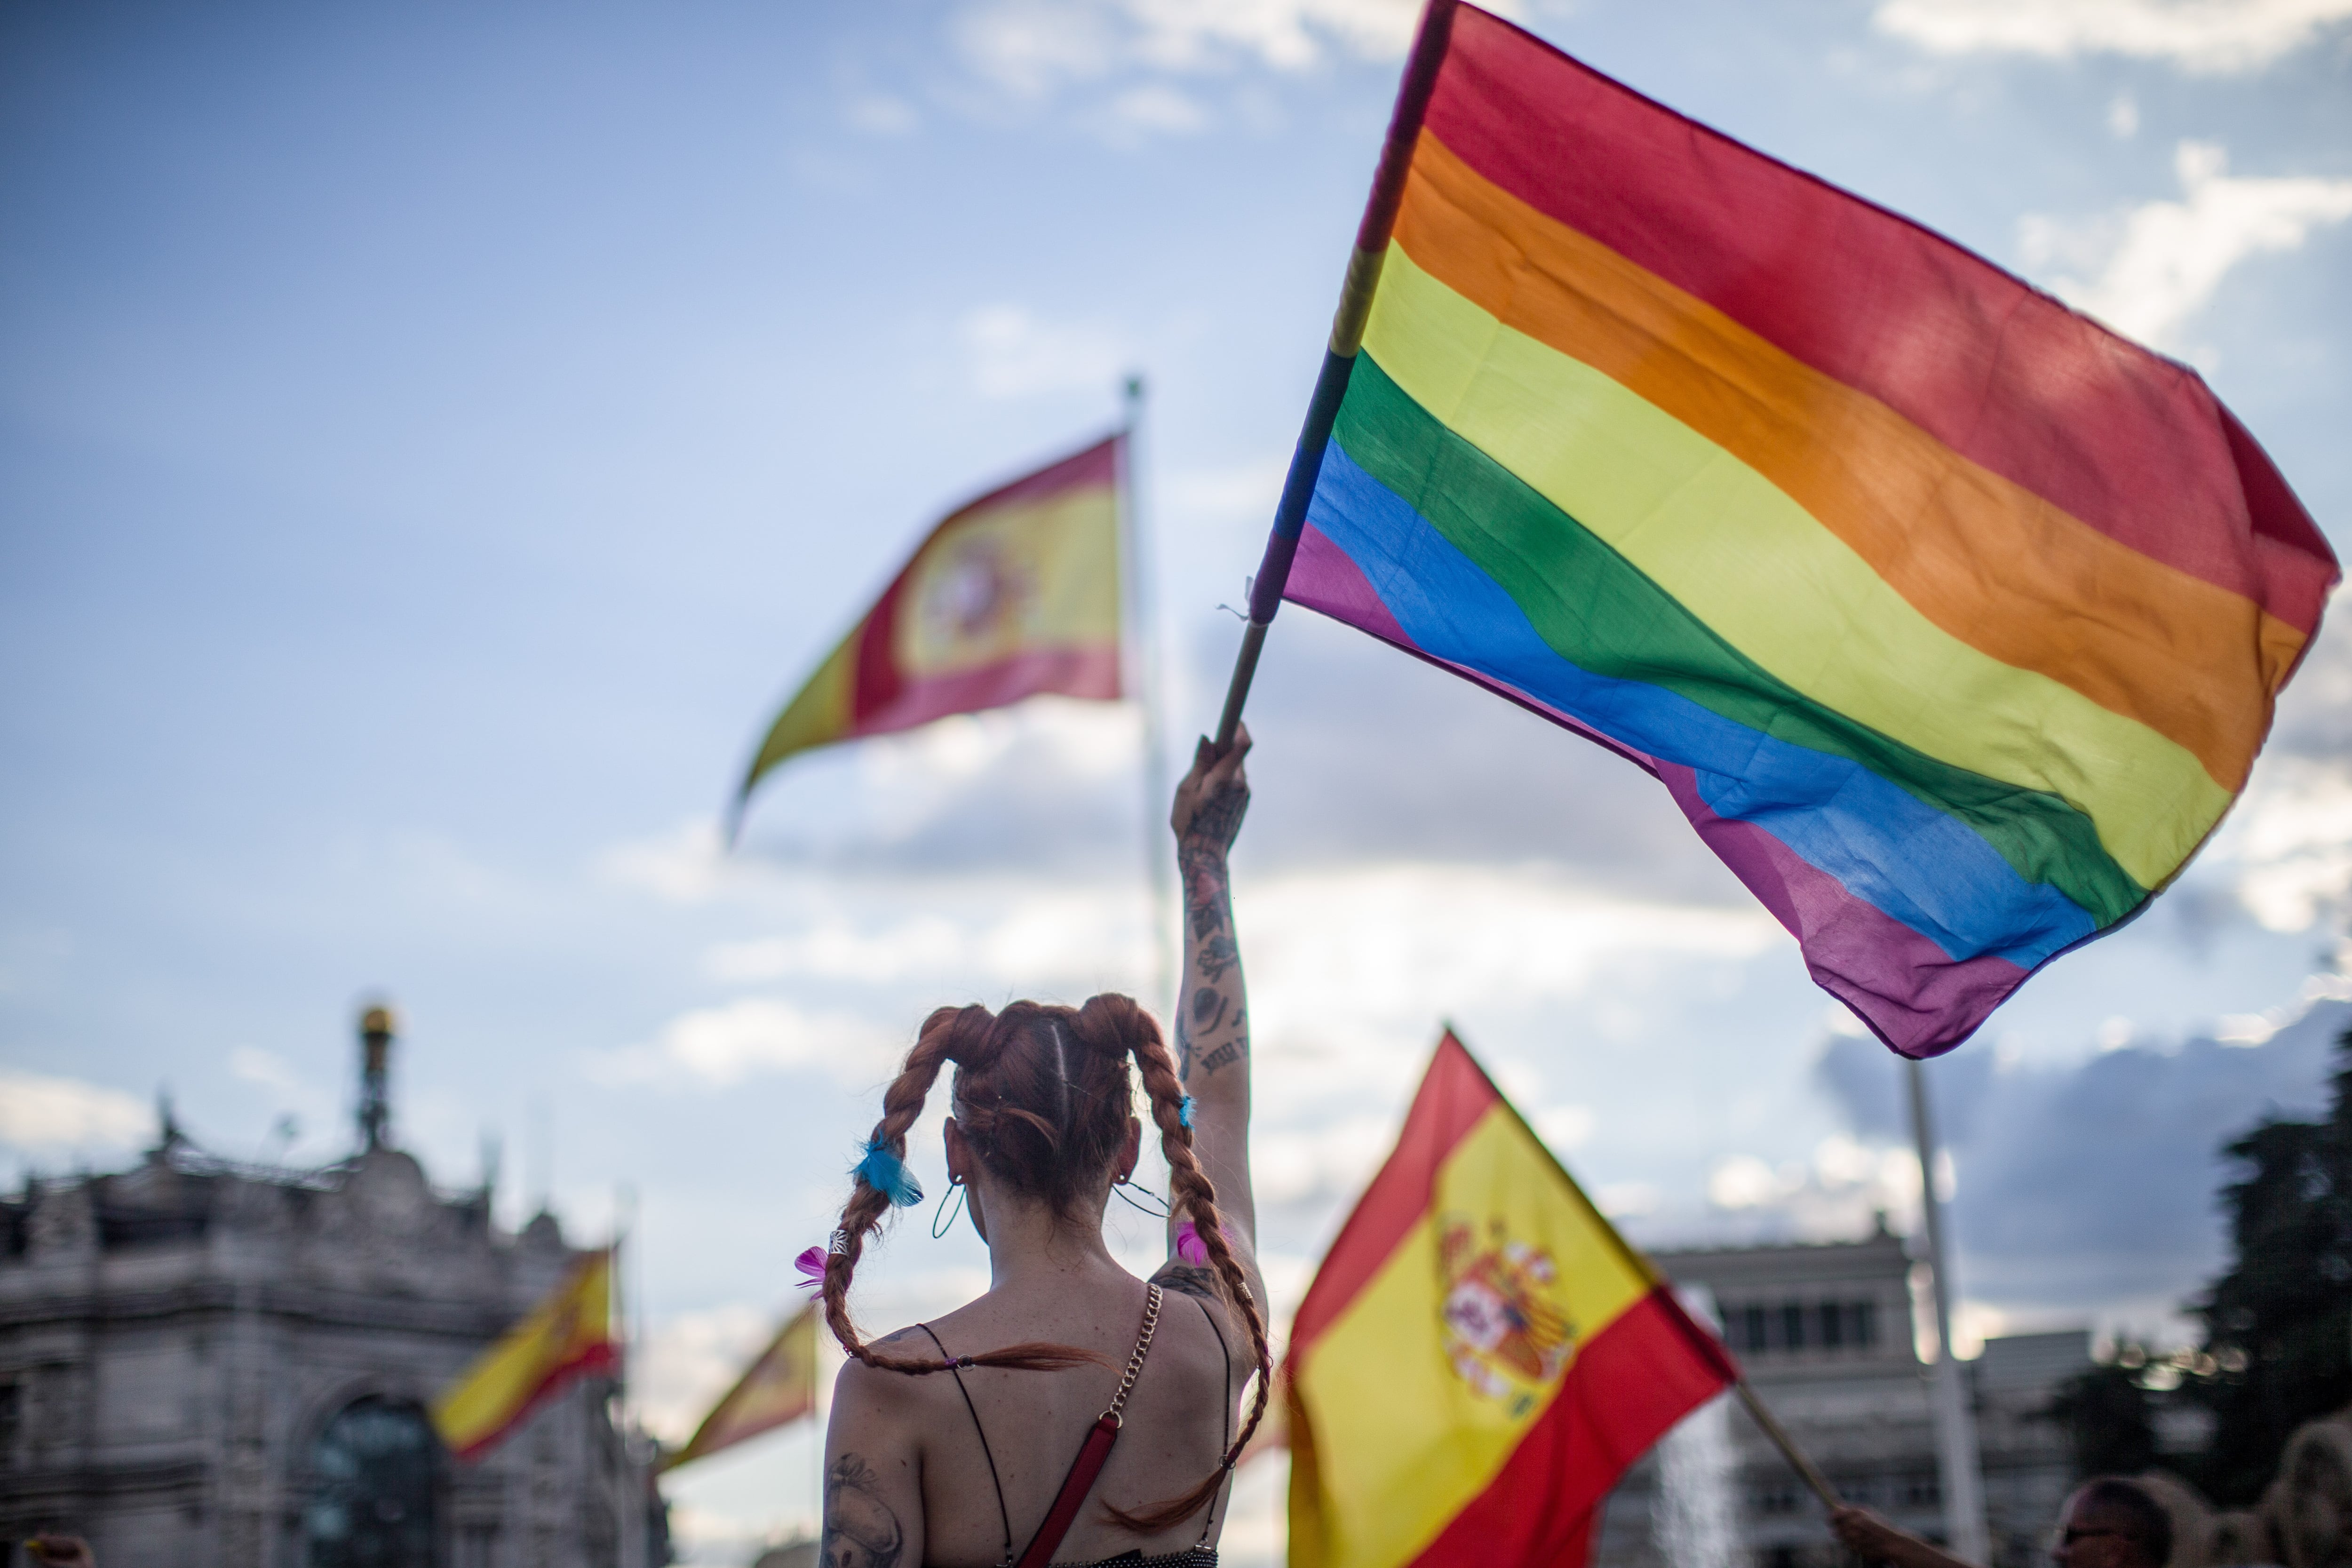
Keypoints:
pixel 1212 1042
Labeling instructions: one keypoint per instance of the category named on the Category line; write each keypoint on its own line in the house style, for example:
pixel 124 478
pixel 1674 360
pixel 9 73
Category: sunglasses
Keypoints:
pixel 2067 1537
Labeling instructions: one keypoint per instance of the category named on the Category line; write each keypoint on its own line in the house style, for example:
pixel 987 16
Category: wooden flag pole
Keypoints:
pixel 1797 1458
pixel 1339 358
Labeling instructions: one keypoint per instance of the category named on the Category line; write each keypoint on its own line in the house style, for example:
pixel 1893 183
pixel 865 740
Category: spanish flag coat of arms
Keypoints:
pixel 1481 1356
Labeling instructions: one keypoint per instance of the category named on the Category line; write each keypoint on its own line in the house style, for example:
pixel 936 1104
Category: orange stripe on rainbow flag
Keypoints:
pixel 568 1336
pixel 1481 1356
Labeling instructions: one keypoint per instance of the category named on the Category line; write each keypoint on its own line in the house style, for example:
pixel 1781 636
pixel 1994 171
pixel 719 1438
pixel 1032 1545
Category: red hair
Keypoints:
pixel 1044 1094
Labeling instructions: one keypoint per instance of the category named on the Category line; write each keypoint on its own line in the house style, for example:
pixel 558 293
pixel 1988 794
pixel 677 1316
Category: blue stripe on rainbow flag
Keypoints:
pixel 1912 862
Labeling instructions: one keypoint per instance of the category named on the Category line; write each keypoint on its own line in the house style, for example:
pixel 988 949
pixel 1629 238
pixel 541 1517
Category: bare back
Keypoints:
pixel 1177 1420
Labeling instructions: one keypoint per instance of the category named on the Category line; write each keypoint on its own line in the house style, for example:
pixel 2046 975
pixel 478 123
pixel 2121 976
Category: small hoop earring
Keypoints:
pixel 944 1221
pixel 1124 1188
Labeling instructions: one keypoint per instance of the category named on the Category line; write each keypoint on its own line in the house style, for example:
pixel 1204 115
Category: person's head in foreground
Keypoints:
pixel 951 1442
pixel 2112 1523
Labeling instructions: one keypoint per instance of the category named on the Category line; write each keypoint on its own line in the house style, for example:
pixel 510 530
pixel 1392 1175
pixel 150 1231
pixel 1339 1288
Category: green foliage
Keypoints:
pixel 2278 1324
pixel 2108 1417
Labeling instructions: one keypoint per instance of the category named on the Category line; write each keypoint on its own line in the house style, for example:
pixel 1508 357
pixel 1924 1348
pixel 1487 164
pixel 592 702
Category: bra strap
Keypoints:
pixel 1210 1523
pixel 956 1368
pixel 1095 1452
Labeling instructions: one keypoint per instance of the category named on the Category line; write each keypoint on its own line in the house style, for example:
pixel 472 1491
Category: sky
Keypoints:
pixel 434 440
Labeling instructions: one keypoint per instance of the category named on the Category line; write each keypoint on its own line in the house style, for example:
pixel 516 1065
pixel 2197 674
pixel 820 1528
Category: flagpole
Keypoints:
pixel 1143 643
pixel 1339 357
pixel 1955 1429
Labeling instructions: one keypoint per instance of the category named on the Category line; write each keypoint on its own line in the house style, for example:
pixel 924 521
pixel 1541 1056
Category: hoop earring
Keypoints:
pixel 1124 1187
pixel 944 1220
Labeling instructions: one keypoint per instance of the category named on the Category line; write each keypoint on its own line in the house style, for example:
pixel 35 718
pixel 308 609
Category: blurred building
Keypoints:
pixel 1825 1332
pixel 209 1363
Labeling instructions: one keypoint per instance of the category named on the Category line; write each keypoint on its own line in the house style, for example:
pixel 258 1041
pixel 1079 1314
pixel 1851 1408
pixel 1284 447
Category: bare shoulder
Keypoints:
pixel 880 1388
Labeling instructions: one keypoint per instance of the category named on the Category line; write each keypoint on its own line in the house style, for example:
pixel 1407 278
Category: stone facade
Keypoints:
pixel 1826 1334
pixel 203 1362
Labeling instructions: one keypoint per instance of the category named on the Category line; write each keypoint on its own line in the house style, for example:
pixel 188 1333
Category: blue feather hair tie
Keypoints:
pixel 888 1175
pixel 1184 1112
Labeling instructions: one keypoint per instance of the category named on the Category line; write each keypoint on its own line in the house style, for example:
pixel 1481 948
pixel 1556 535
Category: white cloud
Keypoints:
pixel 725 1044
pixel 880 114
pixel 1380 950
pixel 1011 353
pixel 2204 36
pixel 1029 46
pixel 1565 1127
pixel 1156 106
pixel 38 1113
pixel 1333 1160
pixel 2158 264
pixel 1288 35
pixel 684 865
pixel 688 1361
pixel 2294 842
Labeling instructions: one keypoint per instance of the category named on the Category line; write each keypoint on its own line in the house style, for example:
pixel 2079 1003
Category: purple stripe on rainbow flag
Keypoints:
pixel 1847 942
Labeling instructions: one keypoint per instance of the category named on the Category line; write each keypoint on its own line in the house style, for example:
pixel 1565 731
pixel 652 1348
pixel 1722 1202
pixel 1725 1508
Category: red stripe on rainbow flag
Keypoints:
pixel 2128 442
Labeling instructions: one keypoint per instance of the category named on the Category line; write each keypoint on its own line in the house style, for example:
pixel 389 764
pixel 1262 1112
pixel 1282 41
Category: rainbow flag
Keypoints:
pixel 1481 1356
pixel 780 1386
pixel 568 1336
pixel 1013 595
pixel 1952 620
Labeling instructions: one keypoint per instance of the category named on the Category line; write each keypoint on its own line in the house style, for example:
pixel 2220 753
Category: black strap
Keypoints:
pixel 956 1368
pixel 1211 1522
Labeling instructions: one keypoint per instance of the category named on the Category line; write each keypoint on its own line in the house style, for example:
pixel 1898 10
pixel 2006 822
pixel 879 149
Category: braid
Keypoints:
pixel 1196 1196
pixel 951 1034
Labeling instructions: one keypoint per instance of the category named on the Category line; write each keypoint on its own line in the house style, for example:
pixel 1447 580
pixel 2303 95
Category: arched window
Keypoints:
pixel 372 1494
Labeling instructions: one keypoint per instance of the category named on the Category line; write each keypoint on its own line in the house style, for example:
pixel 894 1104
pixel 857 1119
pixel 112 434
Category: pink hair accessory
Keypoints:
pixel 812 1266
pixel 1191 1248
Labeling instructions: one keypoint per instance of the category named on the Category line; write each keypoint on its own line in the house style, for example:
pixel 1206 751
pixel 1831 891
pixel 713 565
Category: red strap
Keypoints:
pixel 1093 1454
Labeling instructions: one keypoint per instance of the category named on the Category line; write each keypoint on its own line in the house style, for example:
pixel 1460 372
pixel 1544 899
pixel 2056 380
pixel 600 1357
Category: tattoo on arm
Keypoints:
pixel 1186 1280
pixel 860 1531
pixel 1216 954
pixel 1224 1056
pixel 1184 1050
pixel 1208 1008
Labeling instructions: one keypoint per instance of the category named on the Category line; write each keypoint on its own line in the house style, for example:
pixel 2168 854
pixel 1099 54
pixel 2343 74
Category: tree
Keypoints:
pixel 2278 1323
pixel 2106 1413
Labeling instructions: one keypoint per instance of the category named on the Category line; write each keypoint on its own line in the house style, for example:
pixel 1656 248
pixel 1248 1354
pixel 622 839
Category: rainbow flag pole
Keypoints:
pixel 1348 323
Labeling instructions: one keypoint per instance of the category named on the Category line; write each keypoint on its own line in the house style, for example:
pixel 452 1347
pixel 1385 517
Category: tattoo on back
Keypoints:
pixel 1187 1279
pixel 860 1530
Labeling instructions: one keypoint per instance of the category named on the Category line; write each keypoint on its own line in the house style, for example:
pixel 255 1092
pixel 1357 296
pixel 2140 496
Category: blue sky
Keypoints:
pixel 432 439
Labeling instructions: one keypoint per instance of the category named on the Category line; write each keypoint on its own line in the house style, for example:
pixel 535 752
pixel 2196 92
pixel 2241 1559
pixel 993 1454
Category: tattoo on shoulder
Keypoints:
pixel 860 1530
pixel 1187 1279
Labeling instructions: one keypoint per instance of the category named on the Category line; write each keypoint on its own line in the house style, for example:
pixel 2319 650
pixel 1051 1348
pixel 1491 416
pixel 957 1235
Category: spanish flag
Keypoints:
pixel 568 1336
pixel 1481 1356
pixel 1013 595
pixel 780 1386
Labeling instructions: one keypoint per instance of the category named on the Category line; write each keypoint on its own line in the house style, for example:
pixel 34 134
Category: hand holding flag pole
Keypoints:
pixel 1339 358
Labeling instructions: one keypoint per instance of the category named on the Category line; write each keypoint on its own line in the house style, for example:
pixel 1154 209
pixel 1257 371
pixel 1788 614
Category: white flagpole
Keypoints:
pixel 1957 1458
pixel 1143 669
